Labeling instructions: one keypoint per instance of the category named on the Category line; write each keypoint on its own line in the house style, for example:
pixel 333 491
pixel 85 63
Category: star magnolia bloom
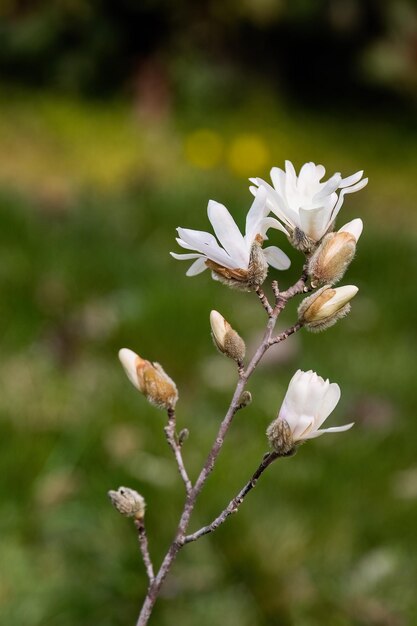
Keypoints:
pixel 233 258
pixel 307 404
pixel 303 202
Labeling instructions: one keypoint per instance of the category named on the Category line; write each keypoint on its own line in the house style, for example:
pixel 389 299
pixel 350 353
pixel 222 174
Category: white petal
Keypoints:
pixel 315 222
pixel 228 233
pixel 303 427
pixel 270 222
pixel 333 429
pixel 183 244
pixel 276 258
pixel 351 180
pixel 354 227
pixel 206 244
pixel 256 213
pixel 278 179
pixel 197 267
pixel 279 206
pixel 186 257
pixel 332 184
pixel 360 185
pixel 198 239
pixel 328 404
pixel 129 360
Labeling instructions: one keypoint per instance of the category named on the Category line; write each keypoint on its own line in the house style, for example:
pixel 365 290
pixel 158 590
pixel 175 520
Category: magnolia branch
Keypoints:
pixel 264 300
pixel 193 491
pixel 143 544
pixel 235 503
pixel 175 446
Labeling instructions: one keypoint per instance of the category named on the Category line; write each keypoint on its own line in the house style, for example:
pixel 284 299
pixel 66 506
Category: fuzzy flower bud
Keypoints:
pixel 280 437
pixel 325 307
pixel 150 379
pixel 226 339
pixel 128 502
pixel 334 254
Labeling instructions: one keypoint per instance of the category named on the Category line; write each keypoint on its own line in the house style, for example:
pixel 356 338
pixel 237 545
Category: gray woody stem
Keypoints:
pixel 143 544
pixel 281 299
pixel 234 504
pixel 176 449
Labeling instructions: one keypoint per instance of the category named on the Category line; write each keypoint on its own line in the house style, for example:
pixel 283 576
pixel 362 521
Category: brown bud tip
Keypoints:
pixel 158 388
pixel 226 339
pixel 280 437
pixel 128 502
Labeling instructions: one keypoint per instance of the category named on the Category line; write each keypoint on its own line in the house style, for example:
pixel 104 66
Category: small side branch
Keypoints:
pixel 175 446
pixel 143 544
pixel 285 334
pixel 234 504
pixel 264 301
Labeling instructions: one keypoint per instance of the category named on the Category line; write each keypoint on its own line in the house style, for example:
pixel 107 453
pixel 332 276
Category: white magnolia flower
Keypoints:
pixel 307 404
pixel 304 203
pixel 233 260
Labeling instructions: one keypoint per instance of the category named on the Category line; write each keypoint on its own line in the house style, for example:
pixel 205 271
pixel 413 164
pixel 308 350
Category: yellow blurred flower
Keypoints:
pixel 203 148
pixel 247 153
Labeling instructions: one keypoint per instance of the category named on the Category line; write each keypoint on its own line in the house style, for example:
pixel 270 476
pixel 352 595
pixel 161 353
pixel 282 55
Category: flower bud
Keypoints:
pixel 245 399
pixel 334 254
pixel 128 502
pixel 150 379
pixel 258 265
pixel 325 307
pixel 226 340
pixel 280 436
pixel 183 436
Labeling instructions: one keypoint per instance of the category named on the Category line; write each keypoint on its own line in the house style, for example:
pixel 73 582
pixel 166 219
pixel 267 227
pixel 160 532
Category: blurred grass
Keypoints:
pixel 90 196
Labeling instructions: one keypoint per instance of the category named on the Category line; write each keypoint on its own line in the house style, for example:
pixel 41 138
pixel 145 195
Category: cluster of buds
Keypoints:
pixel 150 379
pixel 325 307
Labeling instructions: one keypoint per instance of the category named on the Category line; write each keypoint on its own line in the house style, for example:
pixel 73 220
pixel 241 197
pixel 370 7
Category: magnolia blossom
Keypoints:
pixel 307 404
pixel 303 202
pixel 232 258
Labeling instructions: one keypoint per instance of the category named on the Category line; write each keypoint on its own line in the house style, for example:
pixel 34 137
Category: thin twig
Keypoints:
pixel 235 503
pixel 143 544
pixel 176 449
pixel 275 289
pixel 285 334
pixel 264 300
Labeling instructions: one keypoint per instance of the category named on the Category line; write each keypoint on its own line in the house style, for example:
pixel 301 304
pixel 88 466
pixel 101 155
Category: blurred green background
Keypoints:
pixel 118 121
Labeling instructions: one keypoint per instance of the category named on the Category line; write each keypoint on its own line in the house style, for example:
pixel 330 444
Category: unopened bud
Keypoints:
pixel 245 399
pixel 334 254
pixel 128 502
pixel 325 307
pixel 183 435
pixel 258 266
pixel 150 379
pixel 280 437
pixel 226 339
